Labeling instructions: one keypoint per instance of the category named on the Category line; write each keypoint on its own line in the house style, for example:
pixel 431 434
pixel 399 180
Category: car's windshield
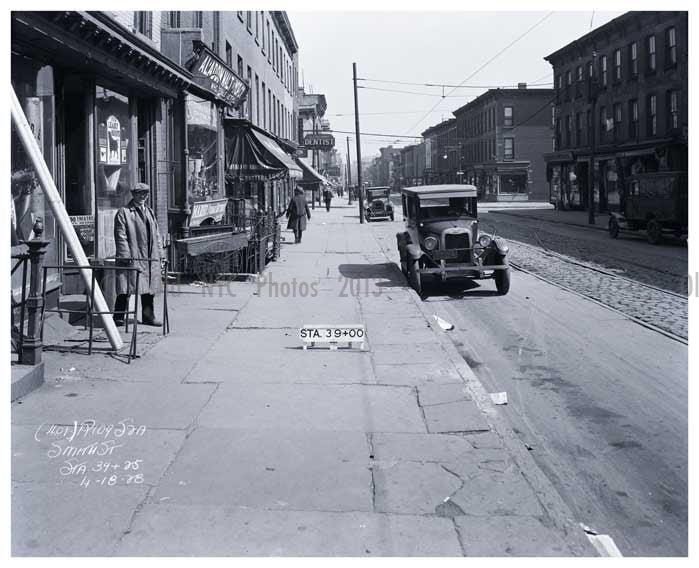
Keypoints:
pixel 434 207
pixel 376 193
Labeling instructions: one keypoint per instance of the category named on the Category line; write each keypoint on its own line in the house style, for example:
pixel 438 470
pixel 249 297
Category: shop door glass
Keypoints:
pixel 114 163
pixel 78 179
pixel 34 86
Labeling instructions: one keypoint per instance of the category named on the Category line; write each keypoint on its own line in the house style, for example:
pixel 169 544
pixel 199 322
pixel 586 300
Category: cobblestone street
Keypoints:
pixel 662 266
pixel 665 310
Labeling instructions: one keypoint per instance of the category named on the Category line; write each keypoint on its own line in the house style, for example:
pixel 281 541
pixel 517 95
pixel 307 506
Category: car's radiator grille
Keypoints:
pixel 377 206
pixel 459 241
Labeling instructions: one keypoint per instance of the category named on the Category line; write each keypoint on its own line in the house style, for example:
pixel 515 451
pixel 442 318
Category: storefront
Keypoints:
pixel 201 217
pixel 312 181
pixel 96 100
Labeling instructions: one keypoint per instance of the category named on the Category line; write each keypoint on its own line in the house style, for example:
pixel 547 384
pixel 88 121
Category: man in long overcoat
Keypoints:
pixel 138 244
pixel 296 212
pixel 327 197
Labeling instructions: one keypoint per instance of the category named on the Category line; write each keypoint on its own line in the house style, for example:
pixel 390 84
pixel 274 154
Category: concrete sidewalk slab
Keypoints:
pixel 69 520
pixel 417 374
pixel 230 360
pixel 108 402
pixel 410 488
pixel 460 416
pixel 173 530
pixel 440 394
pixel 430 353
pixel 420 447
pixel 31 461
pixel 271 469
pixel 510 536
pixel 364 408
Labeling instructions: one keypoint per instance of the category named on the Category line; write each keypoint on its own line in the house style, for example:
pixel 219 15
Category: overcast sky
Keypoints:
pixel 427 47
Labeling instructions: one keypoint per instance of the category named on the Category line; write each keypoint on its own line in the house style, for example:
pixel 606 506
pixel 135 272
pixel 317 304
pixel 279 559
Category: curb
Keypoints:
pixel 558 511
pixel 511 214
pixel 640 322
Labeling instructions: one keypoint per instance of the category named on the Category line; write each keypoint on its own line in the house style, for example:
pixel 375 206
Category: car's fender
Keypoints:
pixel 501 246
pixel 414 251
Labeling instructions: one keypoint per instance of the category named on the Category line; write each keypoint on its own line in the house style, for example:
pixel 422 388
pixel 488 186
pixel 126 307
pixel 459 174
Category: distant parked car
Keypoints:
pixel 441 237
pixel 655 202
pixel 379 204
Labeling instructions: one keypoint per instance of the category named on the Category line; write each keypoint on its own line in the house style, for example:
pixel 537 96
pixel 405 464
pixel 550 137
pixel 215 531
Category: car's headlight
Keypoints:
pixel 485 240
pixel 430 243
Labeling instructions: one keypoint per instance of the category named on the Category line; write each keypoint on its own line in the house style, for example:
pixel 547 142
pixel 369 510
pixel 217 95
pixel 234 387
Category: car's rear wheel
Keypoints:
pixel 654 232
pixel 613 227
pixel 414 276
pixel 502 281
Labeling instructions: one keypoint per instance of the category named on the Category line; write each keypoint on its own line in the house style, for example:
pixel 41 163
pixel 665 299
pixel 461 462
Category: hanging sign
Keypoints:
pixel 214 75
pixel 319 141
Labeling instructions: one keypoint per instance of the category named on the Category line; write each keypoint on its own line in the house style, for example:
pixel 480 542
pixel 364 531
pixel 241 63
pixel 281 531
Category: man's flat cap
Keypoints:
pixel 141 187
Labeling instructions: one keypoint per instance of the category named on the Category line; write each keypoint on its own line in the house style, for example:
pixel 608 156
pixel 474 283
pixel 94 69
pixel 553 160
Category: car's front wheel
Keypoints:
pixel 502 281
pixel 415 276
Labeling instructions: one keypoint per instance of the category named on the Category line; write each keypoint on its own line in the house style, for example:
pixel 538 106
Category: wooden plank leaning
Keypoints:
pixel 61 216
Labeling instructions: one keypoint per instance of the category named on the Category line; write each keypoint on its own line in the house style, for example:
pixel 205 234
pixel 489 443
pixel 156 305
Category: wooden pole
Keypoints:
pixel 359 146
pixel 61 215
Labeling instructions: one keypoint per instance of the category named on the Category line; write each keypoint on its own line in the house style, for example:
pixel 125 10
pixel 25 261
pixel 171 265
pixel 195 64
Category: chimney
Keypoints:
pixel 521 85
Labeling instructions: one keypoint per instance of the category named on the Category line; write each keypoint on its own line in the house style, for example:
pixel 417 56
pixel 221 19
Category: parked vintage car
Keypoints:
pixel 442 238
pixel 655 202
pixel 379 204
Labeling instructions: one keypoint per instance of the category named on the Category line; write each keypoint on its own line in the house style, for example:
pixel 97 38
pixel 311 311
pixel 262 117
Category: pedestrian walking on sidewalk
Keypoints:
pixel 328 197
pixel 138 245
pixel 297 212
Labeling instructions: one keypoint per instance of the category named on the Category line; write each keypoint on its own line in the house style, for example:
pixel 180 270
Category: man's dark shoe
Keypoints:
pixel 119 322
pixel 153 322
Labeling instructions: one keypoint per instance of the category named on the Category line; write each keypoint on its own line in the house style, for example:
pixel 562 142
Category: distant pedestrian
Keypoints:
pixel 297 212
pixel 327 196
pixel 138 245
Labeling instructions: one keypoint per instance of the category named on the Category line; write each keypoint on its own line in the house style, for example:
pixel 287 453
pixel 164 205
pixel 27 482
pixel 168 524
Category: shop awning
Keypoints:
pixel 310 174
pixel 251 155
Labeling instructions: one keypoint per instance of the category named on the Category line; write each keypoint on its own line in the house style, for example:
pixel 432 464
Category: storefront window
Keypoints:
pixel 114 163
pixel 33 84
pixel 513 183
pixel 202 138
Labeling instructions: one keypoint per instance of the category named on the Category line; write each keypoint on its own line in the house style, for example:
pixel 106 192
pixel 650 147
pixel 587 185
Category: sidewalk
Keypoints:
pixel 250 445
pixel 577 218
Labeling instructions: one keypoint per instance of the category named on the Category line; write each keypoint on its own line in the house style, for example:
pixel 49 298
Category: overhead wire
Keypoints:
pixel 489 61
pixel 453 86
pixel 413 92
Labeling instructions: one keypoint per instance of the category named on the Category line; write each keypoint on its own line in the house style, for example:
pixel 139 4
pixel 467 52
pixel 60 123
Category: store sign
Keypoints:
pixel 319 141
pixel 202 210
pixel 216 76
pixel 333 171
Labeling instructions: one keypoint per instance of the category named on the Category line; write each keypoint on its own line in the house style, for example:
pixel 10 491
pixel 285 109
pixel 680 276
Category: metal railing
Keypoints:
pixel 18 331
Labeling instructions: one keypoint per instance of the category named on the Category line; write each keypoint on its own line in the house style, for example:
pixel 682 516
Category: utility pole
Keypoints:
pixel 359 146
pixel 349 174
pixel 315 165
pixel 593 120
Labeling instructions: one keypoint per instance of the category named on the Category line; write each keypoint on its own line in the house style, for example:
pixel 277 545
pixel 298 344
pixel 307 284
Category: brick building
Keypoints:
pixel 625 83
pixel 501 138
pixel 441 153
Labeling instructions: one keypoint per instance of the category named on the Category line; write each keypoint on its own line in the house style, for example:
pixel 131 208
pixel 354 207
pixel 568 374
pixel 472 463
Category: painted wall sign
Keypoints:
pixel 202 210
pixel 216 76
pixel 319 141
